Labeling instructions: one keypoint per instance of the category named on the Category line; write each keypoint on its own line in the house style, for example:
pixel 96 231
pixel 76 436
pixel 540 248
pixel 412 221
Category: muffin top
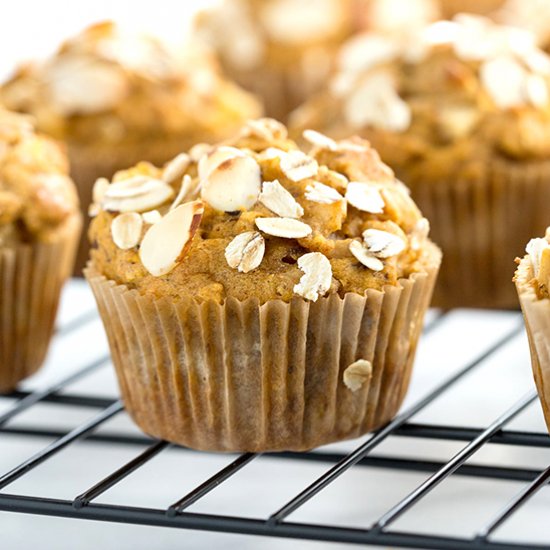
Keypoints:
pixel 273 31
pixel 105 84
pixel 538 253
pixel 256 217
pixel 37 197
pixel 462 91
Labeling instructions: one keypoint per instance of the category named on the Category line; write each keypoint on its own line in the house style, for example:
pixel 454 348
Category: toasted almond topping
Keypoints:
pixel 298 166
pixel 167 241
pixel 357 374
pixel 136 195
pixel 126 230
pixel 151 217
pixel 383 244
pixel 365 197
pixel 320 140
pixel 368 259
pixel 176 167
pixel 321 193
pixel 130 187
pixel 233 185
pixel 375 102
pixel 536 90
pixel 186 185
pixel 275 197
pixel 77 84
pixel 288 228
pixel 317 276
pixel 209 162
pixel 94 210
pixel 535 248
pixel 267 129
pixel 246 251
pixel 199 150
pixel 419 233
pixel 98 191
pixel 504 80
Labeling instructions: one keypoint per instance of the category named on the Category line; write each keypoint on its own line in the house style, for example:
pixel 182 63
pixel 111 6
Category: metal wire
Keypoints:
pixel 176 515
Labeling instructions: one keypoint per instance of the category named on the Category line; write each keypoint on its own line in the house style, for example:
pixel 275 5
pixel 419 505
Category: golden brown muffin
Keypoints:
pixel 532 280
pixel 253 269
pixel 39 229
pixel 281 50
pixel 117 98
pixel 462 114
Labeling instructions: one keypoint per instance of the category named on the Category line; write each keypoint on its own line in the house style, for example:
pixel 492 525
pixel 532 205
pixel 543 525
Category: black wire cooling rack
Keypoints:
pixel 278 524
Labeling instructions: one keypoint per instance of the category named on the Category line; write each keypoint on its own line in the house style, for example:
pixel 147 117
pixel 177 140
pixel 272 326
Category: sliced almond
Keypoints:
pixel 267 129
pixel 298 166
pixel 186 186
pixel 368 259
pixel 130 187
pixel 358 374
pixel 383 244
pixel 271 153
pixel 136 195
pixel 98 191
pixel 317 276
pixel 209 162
pixel 176 167
pixel 320 140
pixel 126 230
pixel 199 150
pixel 151 217
pixel 504 79
pixel 322 194
pixel 233 185
pixel 365 197
pixel 275 197
pixel 419 233
pixel 167 241
pixel 536 90
pixel 288 228
pixel 246 251
pixel 94 210
pixel 535 249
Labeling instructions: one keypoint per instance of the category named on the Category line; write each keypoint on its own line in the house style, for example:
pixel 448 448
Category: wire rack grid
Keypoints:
pixel 332 463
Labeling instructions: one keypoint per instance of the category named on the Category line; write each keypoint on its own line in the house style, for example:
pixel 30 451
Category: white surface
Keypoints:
pixel 459 507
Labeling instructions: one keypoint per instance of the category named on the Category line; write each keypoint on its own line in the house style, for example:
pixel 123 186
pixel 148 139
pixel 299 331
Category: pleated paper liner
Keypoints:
pixel 482 225
pixel 248 377
pixel 31 278
pixel 536 313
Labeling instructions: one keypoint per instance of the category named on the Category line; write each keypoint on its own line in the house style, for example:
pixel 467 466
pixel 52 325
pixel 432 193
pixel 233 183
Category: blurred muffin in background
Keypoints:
pixel 462 114
pixel 40 225
pixel 450 8
pixel 279 49
pixel 283 50
pixel 117 98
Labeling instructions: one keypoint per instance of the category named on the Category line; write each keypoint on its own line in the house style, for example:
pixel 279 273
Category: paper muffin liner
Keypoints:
pixel 89 162
pixel 482 224
pixel 536 313
pixel 31 278
pixel 241 376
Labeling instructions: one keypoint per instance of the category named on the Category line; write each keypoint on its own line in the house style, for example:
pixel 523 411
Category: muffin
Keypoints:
pixel 117 98
pixel 462 114
pixel 532 280
pixel 281 50
pixel 450 8
pixel 258 298
pixel 40 226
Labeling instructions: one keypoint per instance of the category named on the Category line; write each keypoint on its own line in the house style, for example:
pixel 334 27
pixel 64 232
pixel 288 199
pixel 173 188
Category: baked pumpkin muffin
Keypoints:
pixel 532 280
pixel 260 298
pixel 462 114
pixel 117 98
pixel 281 50
pixel 40 226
